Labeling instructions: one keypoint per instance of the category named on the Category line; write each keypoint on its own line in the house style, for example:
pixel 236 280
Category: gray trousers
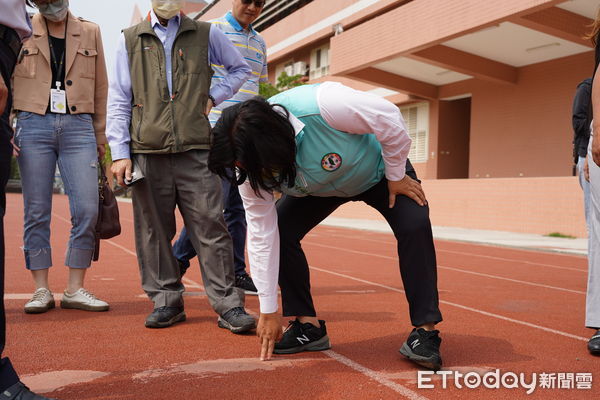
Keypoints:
pixel 182 180
pixel 592 306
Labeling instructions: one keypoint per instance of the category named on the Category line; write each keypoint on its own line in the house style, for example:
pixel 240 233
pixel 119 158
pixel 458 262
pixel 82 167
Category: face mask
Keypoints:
pixel 55 11
pixel 167 9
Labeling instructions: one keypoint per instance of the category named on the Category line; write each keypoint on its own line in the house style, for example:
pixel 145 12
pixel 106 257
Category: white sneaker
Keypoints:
pixel 83 300
pixel 41 302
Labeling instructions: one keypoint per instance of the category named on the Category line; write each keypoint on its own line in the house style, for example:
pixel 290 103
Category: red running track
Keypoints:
pixel 510 310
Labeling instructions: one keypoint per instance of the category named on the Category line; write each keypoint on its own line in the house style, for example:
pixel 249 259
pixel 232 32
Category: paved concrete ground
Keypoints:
pixel 360 216
pixel 496 238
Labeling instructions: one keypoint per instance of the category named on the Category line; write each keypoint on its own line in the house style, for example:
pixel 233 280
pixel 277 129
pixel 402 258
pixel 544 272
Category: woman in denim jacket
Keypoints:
pixel 60 88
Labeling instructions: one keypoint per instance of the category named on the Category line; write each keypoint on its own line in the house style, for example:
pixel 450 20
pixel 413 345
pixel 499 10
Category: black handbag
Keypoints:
pixel 108 224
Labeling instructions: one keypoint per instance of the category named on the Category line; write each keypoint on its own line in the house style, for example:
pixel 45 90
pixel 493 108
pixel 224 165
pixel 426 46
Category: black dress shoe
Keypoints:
pixel 594 344
pixel 162 317
pixel 18 391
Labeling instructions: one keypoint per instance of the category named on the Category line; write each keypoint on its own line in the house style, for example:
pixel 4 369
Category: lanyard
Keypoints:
pixel 58 65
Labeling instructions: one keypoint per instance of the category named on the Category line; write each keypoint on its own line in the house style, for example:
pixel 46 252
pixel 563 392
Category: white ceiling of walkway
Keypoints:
pixel 421 71
pixel 587 8
pixel 506 43
pixel 515 45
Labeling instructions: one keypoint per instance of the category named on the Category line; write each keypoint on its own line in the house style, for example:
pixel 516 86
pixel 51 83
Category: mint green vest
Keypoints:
pixel 329 162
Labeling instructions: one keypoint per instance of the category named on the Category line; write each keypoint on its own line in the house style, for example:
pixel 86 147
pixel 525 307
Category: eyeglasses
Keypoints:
pixel 257 3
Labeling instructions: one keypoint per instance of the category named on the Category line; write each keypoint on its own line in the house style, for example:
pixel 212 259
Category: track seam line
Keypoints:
pixel 482 255
pixel 455 269
pixel 404 391
pixel 489 314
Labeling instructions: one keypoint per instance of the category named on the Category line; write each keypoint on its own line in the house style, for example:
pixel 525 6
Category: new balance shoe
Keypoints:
pixel 83 300
pixel 237 320
pixel 41 302
pixel 162 317
pixel 19 391
pixel 594 344
pixel 300 337
pixel 246 283
pixel 423 347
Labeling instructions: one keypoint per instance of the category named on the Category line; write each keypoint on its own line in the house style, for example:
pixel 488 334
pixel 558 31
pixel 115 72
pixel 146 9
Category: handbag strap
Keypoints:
pixel 102 179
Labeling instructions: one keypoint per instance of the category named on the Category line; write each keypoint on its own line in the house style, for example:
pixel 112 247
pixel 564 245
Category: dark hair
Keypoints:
pixel 258 141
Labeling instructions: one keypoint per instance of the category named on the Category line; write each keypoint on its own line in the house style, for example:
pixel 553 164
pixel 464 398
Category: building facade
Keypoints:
pixel 486 89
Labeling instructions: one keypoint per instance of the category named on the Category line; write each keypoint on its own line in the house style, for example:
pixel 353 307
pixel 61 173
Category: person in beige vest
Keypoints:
pixel 60 88
pixel 163 69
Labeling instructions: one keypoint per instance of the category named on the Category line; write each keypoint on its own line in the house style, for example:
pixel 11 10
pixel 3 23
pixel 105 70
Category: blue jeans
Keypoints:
pixel 69 140
pixel 235 217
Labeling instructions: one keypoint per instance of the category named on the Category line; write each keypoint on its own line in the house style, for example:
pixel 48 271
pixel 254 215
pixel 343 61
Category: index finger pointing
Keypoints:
pixel 270 349
pixel 264 348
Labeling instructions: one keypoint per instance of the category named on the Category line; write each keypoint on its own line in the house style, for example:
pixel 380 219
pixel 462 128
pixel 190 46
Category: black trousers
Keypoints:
pixel 8 377
pixel 411 226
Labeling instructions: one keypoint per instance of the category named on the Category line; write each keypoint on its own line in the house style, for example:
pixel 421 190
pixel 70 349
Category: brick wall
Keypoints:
pixel 527 205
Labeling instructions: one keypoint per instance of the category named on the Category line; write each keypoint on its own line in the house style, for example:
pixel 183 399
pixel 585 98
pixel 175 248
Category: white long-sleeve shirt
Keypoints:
pixel 344 109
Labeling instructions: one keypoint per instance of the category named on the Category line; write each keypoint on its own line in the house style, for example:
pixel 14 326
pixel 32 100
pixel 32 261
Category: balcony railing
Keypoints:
pixel 276 10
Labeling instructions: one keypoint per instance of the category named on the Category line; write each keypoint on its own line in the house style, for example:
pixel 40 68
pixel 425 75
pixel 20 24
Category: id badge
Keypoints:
pixel 58 101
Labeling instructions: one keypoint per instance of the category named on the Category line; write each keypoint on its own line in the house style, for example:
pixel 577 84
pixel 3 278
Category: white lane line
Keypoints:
pixel 125 249
pixel 454 269
pixel 376 376
pixel 536 264
pixel 512 280
pixel 27 296
pixel 187 281
pixel 192 284
pixel 475 310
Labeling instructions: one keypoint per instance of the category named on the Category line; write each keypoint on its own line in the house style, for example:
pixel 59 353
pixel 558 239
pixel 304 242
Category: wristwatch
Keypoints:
pixel 212 99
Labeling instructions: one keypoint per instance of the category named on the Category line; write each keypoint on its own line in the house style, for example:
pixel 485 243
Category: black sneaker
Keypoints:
pixel 594 344
pixel 18 391
pixel 423 348
pixel 163 317
pixel 237 320
pixel 303 337
pixel 245 282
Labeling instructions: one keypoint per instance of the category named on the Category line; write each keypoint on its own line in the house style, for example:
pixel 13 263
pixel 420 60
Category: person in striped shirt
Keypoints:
pixel 237 26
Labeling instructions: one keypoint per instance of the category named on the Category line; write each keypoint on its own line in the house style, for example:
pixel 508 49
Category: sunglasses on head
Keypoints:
pixel 257 3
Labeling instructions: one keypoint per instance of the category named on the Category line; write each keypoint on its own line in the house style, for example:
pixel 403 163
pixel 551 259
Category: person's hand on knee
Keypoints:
pixel 408 187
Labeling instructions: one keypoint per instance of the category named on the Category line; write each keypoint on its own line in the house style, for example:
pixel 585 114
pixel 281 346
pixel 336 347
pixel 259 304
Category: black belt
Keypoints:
pixel 10 37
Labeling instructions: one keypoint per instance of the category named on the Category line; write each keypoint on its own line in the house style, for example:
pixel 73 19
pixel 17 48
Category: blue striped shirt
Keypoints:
pixel 253 49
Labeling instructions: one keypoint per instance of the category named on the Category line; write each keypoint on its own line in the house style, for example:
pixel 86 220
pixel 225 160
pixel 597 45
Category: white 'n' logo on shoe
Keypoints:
pixel 415 343
pixel 303 339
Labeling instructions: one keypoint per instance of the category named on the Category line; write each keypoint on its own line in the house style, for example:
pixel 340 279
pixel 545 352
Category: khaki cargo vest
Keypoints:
pixel 161 123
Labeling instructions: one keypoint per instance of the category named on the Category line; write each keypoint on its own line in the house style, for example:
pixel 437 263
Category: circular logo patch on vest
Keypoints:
pixel 331 162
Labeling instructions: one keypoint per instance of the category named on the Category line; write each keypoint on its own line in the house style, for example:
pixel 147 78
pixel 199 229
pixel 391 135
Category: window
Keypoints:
pixel 319 62
pixel 416 118
pixel 287 66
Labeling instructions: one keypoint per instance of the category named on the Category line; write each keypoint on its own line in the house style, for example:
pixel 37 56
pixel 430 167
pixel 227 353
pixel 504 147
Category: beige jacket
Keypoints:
pixel 85 78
